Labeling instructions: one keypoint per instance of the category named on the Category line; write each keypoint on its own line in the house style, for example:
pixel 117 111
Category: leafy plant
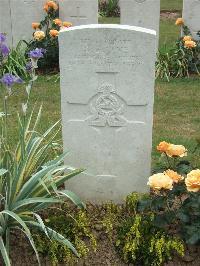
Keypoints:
pixel 76 228
pixel 16 61
pixel 45 36
pixel 139 241
pixel 109 8
pixel 180 61
pixel 176 194
pixel 31 172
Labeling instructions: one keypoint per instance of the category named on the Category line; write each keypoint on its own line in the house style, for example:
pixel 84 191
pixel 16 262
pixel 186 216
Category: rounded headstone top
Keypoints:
pixel 110 26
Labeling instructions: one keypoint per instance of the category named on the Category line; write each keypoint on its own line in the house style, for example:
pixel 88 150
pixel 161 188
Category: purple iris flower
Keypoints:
pixel 37 53
pixel 29 67
pixel 2 37
pixel 4 49
pixel 8 80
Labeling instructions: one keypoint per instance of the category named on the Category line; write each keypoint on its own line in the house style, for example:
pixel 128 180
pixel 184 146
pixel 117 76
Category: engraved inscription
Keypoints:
pixel 140 1
pixel 107 108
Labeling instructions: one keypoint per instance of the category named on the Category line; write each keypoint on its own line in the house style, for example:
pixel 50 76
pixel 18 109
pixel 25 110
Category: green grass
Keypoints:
pixel 171 5
pixel 176 109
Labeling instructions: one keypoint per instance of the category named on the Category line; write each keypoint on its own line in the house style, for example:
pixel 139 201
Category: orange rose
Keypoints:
pixel 192 181
pixel 54 33
pixel 190 44
pixel 50 4
pixel 187 38
pixel 174 176
pixel 35 25
pixel 46 7
pixel 179 22
pixel 58 22
pixel 160 181
pixel 67 24
pixel 163 146
pixel 176 150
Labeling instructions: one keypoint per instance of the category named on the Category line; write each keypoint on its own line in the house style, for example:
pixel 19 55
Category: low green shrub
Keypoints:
pixel 139 241
pixel 76 228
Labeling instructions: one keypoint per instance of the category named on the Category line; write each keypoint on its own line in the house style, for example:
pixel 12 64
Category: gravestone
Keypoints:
pixel 141 13
pixel 107 89
pixel 5 21
pixel 79 12
pixel 191 16
pixel 22 14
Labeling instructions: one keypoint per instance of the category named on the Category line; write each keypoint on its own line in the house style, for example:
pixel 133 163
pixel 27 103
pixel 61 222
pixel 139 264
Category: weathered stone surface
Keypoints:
pixel 5 21
pixel 141 13
pixel 23 13
pixel 191 15
pixel 107 89
pixel 79 12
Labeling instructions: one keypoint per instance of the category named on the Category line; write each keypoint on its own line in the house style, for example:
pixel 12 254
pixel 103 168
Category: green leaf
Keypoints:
pixel 4 253
pixel 56 236
pixel 3 171
pixel 73 197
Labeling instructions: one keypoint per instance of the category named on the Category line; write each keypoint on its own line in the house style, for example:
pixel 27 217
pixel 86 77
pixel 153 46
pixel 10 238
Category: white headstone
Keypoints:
pixel 79 12
pixel 23 13
pixel 141 13
pixel 191 16
pixel 5 20
pixel 107 91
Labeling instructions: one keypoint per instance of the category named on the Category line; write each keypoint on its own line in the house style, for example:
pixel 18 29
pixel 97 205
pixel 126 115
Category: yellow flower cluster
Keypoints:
pixel 172 150
pixel 192 181
pixel 39 35
pixel 164 180
pixel 179 22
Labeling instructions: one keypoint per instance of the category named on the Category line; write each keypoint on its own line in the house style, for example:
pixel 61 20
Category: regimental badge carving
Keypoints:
pixel 107 108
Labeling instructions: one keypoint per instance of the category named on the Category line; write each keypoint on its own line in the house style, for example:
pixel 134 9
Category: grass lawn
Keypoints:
pixel 171 5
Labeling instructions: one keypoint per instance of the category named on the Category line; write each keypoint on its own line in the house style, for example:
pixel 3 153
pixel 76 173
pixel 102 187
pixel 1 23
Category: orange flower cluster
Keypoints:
pixel 35 25
pixel 54 33
pixel 172 150
pixel 179 22
pixel 50 5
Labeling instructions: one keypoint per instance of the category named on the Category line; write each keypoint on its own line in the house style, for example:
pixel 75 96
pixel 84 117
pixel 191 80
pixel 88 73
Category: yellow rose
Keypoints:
pixel 58 22
pixel 179 22
pixel 39 35
pixel 54 33
pixel 190 44
pixel 35 25
pixel 176 150
pixel 192 181
pixel 67 24
pixel 174 176
pixel 163 146
pixel 187 38
pixel 160 181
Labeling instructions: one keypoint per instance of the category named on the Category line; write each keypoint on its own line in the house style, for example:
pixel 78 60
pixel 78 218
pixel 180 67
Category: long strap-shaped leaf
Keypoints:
pixel 28 201
pixel 54 235
pixel 73 197
pixel 4 253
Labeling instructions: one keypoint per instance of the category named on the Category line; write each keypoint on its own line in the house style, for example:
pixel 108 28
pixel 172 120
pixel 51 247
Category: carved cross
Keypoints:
pixel 78 17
